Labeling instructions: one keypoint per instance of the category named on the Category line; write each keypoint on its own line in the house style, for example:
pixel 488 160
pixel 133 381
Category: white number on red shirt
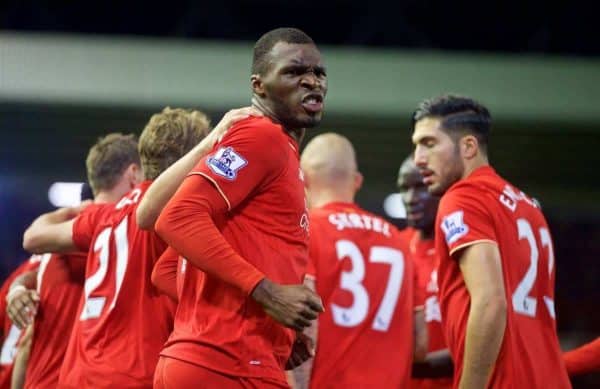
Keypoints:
pixel 351 281
pixel 522 302
pixel 93 306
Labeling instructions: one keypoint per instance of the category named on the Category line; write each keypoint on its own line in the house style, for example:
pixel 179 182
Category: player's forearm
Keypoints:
pixel 21 360
pixel 46 233
pixel 485 330
pixel 165 186
pixel 437 364
pixel 420 336
pixel 164 274
pixel 582 360
pixel 187 225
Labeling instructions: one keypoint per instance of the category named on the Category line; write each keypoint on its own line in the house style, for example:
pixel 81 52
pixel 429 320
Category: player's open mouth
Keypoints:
pixel 313 103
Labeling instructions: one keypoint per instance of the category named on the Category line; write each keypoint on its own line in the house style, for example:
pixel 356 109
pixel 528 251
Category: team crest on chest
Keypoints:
pixel 226 163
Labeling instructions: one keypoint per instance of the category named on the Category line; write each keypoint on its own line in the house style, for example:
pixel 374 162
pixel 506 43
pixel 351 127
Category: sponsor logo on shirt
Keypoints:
pixel 226 162
pixel 454 227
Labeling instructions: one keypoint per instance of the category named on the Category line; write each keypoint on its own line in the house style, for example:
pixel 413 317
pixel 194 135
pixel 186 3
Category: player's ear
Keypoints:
pixel 257 84
pixel 134 174
pixel 469 146
pixel 358 181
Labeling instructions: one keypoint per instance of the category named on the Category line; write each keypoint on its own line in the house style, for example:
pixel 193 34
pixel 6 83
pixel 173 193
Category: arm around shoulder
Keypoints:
pixel 51 232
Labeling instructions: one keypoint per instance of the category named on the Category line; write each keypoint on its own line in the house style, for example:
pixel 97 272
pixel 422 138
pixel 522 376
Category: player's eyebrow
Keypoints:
pixel 423 139
pixel 301 64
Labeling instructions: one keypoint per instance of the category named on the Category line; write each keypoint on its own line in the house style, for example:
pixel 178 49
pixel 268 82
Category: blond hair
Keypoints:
pixel 109 158
pixel 168 136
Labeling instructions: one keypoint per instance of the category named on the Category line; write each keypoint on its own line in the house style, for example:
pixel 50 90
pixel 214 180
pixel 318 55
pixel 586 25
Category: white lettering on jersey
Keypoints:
pixel 454 227
pixel 361 222
pixel 226 163
pixel 509 198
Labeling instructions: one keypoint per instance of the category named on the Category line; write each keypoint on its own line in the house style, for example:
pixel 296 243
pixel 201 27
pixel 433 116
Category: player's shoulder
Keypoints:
pixel 481 189
pixel 255 129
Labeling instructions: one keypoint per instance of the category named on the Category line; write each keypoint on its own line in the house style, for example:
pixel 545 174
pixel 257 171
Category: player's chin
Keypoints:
pixel 310 121
pixel 437 188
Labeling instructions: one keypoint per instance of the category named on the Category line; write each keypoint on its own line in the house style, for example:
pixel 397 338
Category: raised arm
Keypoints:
pixel 165 186
pixel 481 268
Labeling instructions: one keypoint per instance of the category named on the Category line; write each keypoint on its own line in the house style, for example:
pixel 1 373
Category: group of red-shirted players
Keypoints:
pixel 223 258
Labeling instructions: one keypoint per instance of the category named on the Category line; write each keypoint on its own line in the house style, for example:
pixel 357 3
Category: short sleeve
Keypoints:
pixel 249 156
pixel 464 219
pixel 85 224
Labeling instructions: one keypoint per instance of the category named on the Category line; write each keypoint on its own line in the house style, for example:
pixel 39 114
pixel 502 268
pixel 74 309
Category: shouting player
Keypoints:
pixel 240 221
pixel 496 263
pixel 123 322
pixel 421 209
pixel 113 169
pixel 360 267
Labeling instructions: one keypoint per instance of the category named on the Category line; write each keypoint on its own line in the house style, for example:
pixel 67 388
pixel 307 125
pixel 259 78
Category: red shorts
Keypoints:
pixel 176 374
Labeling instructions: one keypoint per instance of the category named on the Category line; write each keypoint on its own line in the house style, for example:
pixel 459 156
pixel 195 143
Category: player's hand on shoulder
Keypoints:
pixel 22 305
pixel 294 306
pixel 229 119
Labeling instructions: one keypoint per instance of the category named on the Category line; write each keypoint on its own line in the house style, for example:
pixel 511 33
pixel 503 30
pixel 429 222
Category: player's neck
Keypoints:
pixel 474 164
pixel 296 133
pixel 113 195
pixel 324 197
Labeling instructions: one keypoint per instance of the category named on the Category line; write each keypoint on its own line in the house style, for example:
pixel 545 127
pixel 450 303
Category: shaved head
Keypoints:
pixel 329 157
pixel 329 165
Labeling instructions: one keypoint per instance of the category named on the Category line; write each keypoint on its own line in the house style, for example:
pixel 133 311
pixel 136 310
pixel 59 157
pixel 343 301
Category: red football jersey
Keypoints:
pixel 366 280
pixel 11 334
pixel 485 208
pixel 60 284
pixel 256 170
pixel 123 321
pixel 422 252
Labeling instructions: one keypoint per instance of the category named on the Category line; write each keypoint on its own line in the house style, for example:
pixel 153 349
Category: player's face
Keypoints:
pixel 421 206
pixel 295 84
pixel 437 156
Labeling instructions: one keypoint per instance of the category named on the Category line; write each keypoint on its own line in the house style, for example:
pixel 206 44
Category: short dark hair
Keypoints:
pixel 459 115
pixel 266 42
pixel 108 159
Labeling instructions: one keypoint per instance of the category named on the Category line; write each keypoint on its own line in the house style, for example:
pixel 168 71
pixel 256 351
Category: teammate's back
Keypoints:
pixel 123 322
pixel 366 283
pixel 530 355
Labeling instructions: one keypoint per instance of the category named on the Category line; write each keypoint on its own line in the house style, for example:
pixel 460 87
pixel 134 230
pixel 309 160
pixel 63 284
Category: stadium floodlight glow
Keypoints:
pixel 65 194
pixel 394 207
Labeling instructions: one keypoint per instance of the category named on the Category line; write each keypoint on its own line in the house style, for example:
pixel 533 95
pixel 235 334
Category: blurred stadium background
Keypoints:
pixel 72 71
